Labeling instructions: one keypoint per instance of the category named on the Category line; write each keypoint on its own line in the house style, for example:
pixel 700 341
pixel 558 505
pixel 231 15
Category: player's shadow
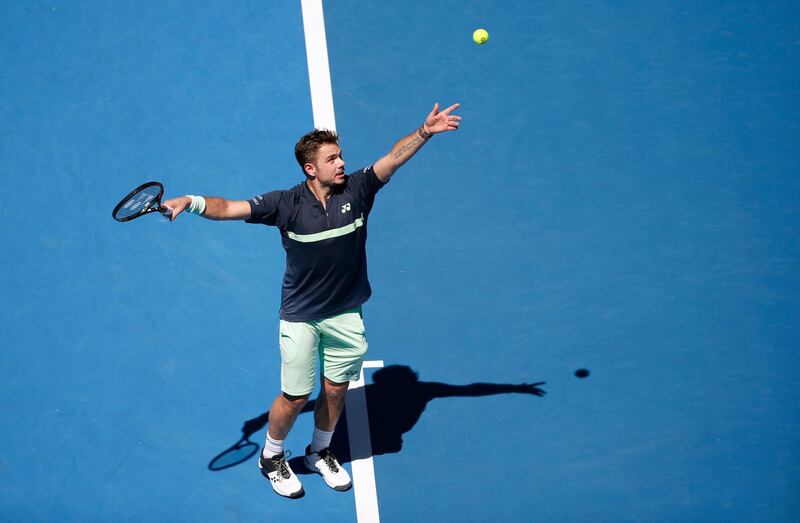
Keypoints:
pixel 395 401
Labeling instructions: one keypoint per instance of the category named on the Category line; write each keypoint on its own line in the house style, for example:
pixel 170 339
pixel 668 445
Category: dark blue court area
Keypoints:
pixel 623 196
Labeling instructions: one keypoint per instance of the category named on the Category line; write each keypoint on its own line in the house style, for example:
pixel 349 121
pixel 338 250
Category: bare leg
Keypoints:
pixel 329 404
pixel 283 413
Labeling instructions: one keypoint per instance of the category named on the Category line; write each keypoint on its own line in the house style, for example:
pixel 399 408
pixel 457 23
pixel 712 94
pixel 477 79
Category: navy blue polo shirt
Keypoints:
pixel 326 256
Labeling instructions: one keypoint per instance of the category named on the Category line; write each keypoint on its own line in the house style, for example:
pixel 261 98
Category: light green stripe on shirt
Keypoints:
pixel 324 235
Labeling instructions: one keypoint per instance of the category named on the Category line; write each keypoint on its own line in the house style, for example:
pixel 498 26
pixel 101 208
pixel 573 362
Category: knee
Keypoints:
pixel 334 391
pixel 295 403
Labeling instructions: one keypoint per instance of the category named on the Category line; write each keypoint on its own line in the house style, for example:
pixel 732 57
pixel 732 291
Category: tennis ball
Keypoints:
pixel 480 36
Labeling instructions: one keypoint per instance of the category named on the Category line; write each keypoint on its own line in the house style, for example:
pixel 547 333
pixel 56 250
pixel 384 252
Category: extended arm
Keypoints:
pixel 216 208
pixel 443 390
pixel 405 148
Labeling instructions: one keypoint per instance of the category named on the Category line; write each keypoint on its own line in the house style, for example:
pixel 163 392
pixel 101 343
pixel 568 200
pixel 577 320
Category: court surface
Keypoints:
pixel 623 197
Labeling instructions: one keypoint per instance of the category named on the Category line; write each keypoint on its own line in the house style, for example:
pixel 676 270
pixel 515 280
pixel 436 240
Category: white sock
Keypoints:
pixel 272 447
pixel 320 440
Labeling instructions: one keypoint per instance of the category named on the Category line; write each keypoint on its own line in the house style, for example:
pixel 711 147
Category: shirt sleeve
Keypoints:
pixel 366 184
pixel 264 208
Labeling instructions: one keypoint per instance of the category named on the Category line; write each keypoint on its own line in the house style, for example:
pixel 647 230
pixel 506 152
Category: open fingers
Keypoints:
pixel 451 108
pixel 452 122
pixel 434 111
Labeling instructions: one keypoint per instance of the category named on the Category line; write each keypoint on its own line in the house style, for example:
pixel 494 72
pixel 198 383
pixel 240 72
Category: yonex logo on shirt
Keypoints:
pixel 339 235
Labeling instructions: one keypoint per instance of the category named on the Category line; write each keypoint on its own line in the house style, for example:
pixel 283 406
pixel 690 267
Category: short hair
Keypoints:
pixel 307 147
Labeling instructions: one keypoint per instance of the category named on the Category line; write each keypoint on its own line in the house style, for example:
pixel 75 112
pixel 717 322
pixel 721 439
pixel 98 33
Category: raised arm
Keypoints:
pixel 405 148
pixel 215 208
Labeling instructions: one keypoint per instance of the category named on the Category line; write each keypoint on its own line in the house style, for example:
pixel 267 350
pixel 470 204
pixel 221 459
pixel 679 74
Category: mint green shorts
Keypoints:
pixel 337 342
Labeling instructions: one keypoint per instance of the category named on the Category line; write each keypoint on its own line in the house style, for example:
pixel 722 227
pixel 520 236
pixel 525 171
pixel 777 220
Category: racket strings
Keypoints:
pixel 139 202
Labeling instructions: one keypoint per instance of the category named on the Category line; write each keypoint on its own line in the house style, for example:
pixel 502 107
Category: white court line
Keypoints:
pixel 319 73
pixel 319 77
pixel 364 487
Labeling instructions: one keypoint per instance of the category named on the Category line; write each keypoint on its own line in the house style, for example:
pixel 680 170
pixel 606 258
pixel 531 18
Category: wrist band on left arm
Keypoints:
pixel 423 134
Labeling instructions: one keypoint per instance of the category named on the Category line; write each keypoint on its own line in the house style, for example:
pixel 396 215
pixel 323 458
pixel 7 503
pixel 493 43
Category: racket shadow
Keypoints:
pixel 244 449
pixel 396 400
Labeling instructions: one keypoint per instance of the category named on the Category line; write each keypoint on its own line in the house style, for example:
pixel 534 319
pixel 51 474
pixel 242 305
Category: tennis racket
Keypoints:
pixel 143 200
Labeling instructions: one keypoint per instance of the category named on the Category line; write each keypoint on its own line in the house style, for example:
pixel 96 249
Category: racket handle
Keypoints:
pixel 166 211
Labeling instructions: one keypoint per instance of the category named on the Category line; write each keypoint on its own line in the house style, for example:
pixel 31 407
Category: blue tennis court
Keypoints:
pixel 623 196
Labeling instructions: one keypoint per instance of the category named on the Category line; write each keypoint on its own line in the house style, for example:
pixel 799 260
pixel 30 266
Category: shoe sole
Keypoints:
pixel 341 488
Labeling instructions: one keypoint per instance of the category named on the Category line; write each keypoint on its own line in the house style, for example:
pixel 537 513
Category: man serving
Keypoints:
pixel 323 226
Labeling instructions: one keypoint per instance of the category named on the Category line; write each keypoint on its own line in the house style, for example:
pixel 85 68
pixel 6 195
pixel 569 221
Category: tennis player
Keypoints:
pixel 323 227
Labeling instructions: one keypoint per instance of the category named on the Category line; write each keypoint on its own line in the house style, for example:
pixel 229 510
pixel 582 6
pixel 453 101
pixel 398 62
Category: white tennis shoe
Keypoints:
pixel 280 475
pixel 324 463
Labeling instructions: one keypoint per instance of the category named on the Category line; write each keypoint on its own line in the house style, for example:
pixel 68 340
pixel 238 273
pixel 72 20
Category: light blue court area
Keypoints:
pixel 623 197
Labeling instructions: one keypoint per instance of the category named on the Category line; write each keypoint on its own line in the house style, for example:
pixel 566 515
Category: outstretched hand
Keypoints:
pixel 178 205
pixel 439 122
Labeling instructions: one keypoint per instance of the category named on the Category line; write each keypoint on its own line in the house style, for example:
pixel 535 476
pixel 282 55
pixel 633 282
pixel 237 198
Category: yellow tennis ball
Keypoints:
pixel 480 36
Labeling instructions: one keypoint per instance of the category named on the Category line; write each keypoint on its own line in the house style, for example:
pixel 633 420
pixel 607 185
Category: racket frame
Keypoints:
pixel 153 206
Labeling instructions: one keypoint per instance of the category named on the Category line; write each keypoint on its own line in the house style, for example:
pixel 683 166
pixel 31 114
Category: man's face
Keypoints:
pixel 328 167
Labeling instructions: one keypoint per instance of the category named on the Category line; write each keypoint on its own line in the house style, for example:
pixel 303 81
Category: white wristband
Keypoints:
pixel 198 205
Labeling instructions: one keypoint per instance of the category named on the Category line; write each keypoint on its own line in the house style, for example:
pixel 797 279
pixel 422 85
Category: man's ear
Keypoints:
pixel 310 169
